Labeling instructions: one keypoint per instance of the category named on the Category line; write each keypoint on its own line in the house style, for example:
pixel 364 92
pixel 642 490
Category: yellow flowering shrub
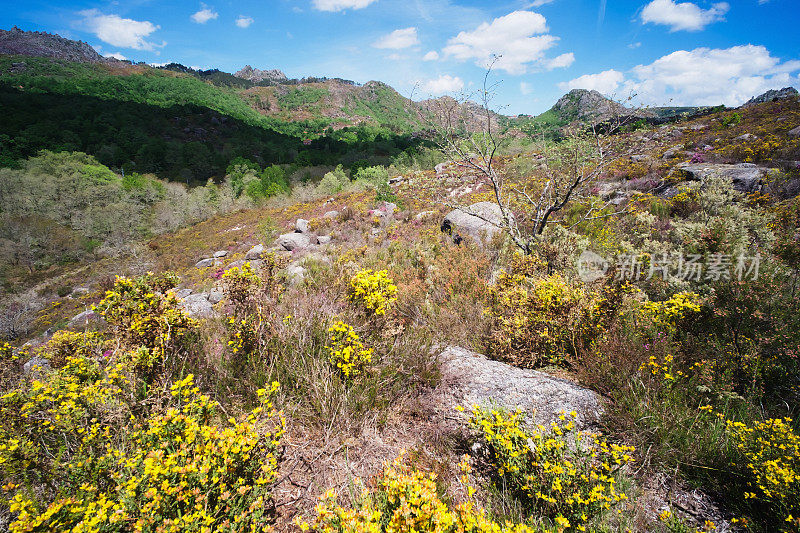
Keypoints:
pixel 561 473
pixel 373 291
pixel 346 351
pixel 405 500
pixel 532 319
pixel 64 344
pixel 771 452
pixel 670 313
pixel 172 471
pixel 239 283
pixel 144 317
pixel 243 335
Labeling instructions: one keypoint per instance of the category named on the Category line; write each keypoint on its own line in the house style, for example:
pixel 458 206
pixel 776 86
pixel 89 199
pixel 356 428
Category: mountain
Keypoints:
pixel 41 44
pixel 255 75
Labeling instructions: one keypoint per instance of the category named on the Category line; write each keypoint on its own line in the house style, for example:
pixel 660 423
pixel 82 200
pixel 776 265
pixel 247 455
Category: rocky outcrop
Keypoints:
pixel 772 95
pixel 470 378
pixel 582 104
pixel 745 177
pixel 256 76
pixel 35 43
pixel 198 306
pixel 480 221
pixel 295 241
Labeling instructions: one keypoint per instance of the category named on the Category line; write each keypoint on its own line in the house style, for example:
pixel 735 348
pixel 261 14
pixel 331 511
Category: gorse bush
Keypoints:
pixel 672 312
pixel 405 500
pixel 558 472
pixel 171 471
pixel 145 317
pixel 771 454
pixel 346 351
pixel 65 344
pixel 374 292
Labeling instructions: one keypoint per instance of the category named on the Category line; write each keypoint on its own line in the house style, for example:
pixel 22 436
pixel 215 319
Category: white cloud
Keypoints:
pixel 525 88
pixel 204 15
pixel 443 84
pixel 520 38
pixel 116 55
pixel 433 55
pixel 606 82
pixel 703 76
pixel 398 39
pixel 562 61
pixel 117 31
pixel 244 22
pixel 341 5
pixel 684 16
pixel 539 3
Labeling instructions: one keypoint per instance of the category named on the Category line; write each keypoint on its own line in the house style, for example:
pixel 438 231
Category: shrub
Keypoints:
pixel 373 291
pixel 145 318
pixel 406 500
pixel 561 473
pixel 669 314
pixel 65 344
pixel 345 350
pixel 172 471
pixel 239 283
pixel 771 454
pixel 333 182
pixel 532 319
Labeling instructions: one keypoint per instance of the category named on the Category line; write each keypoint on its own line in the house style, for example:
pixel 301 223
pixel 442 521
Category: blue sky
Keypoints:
pixel 667 52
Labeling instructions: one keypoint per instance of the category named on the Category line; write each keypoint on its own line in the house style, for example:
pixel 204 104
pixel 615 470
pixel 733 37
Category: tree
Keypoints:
pixel 468 134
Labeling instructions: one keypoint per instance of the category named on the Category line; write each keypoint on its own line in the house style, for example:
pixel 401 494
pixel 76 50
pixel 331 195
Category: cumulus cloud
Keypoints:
pixel 204 15
pixel 443 84
pixel 340 5
pixel 398 39
pixel 118 31
pixel 520 40
pixel 539 3
pixel 244 22
pixel 606 82
pixel 433 55
pixel 562 61
pixel 684 16
pixel 703 76
pixel 116 55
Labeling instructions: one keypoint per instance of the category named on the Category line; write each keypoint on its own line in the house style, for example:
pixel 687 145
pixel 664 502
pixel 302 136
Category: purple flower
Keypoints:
pixel 107 353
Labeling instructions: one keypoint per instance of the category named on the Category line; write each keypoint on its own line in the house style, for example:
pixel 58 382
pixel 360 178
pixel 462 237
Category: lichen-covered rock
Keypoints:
pixel 205 263
pixel 294 241
pixel 481 221
pixel 745 177
pixel 198 306
pixel 469 378
pixel 255 252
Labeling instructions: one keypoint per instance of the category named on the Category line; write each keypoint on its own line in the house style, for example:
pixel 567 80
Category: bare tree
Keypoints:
pixel 468 134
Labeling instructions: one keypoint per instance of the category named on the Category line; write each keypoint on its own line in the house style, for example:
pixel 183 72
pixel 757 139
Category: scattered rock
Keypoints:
pixel 471 378
pixel 220 253
pixel 745 137
pixel 198 306
pixel 296 273
pixel 331 214
pixel 183 293
pixel 480 221
pixel 205 263
pixel 324 239
pixel 294 241
pixel 301 226
pixel 672 152
pixel 77 292
pixel 84 318
pixel 36 365
pixel 255 252
pixel 745 177
pixel 215 296
pixel 239 263
pixel 698 127
pixel 396 179
pixel 795 132
pixel 422 215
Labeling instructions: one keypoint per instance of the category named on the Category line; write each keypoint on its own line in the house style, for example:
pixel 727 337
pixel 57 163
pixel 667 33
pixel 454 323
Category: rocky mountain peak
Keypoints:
pixel 255 75
pixel 585 104
pixel 35 43
pixel 771 95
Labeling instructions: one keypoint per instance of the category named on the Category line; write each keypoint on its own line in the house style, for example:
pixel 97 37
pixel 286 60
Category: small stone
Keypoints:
pixel 301 226
pixel 220 253
pixel 331 214
pixel 795 132
pixel 215 296
pixel 294 241
pixel 205 263
pixel 183 293
pixel 324 239
pixel 255 252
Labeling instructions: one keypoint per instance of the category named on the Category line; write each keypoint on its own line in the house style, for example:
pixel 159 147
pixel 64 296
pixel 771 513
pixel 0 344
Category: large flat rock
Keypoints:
pixel 745 177
pixel 471 378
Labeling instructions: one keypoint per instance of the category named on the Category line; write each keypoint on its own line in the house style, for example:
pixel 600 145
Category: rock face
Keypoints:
pixel 465 222
pixel 471 378
pixel 771 95
pixel 745 177
pixel 255 75
pixel 35 43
